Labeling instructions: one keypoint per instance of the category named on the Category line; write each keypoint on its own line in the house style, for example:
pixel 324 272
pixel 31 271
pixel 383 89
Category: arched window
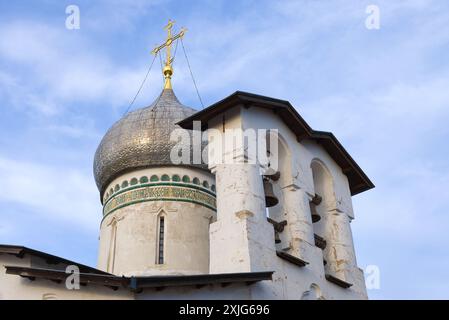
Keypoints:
pixel 160 240
pixel 124 184
pixel 134 181
pixel 278 171
pixel 319 205
pixel 324 194
pixel 112 246
pixel 165 177
pixel 196 181
pixel 116 188
pixel 206 184
pixel 176 178
pixel 154 178
pixel 186 179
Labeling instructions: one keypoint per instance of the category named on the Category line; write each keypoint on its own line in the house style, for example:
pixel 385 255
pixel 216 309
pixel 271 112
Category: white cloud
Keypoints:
pixel 116 15
pixel 59 69
pixel 74 131
pixel 61 193
pixel 5 229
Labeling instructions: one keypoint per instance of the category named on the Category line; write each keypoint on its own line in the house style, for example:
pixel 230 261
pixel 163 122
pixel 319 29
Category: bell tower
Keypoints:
pixel 286 207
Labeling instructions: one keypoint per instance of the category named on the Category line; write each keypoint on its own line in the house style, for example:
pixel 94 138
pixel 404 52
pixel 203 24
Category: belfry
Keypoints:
pixel 216 229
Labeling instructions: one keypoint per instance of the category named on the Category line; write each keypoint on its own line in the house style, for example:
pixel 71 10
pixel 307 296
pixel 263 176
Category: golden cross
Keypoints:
pixel 168 69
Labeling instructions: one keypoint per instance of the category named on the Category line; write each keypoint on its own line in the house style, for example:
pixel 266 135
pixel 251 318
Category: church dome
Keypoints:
pixel 140 139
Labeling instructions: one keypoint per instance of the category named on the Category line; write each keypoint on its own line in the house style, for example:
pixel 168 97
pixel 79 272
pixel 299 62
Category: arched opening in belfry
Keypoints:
pixel 278 175
pixel 322 202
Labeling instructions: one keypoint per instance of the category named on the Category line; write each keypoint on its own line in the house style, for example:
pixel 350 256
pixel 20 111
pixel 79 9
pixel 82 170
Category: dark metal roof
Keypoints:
pixel 358 180
pixel 140 139
pixel 20 251
pixel 199 280
pixel 136 284
pixel 60 276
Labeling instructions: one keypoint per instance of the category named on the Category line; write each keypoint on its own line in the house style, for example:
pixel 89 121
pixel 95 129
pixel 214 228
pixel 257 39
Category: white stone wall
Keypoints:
pixel 246 240
pixel 186 243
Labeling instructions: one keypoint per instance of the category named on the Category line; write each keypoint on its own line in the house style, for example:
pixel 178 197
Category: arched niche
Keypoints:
pixel 323 184
pixel 280 161
pixel 279 157
pixel 323 204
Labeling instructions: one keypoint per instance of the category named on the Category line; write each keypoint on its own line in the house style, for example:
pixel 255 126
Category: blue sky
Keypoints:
pixel 384 93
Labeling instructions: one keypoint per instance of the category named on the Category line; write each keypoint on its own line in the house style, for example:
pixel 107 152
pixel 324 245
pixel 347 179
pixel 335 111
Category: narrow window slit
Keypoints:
pixel 161 241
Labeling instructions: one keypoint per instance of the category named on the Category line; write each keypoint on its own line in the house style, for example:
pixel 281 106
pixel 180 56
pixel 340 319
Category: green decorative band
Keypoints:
pixel 176 184
pixel 160 192
pixel 165 178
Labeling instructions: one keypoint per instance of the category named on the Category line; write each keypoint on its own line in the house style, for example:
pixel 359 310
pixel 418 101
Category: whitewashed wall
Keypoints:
pixel 186 244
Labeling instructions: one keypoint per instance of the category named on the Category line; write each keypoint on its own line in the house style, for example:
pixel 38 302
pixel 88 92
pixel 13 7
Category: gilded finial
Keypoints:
pixel 168 68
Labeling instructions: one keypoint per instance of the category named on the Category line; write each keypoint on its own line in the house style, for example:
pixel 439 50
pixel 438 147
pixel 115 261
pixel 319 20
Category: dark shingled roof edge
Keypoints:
pixel 136 284
pixel 358 180
pixel 20 251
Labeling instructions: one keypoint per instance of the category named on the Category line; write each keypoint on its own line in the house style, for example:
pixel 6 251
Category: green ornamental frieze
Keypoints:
pixel 159 192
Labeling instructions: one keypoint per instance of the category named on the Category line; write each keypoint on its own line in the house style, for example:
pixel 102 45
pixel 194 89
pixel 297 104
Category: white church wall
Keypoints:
pixel 186 236
pixel 290 281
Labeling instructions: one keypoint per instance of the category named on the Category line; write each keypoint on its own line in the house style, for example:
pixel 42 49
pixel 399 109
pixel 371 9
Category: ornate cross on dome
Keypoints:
pixel 168 69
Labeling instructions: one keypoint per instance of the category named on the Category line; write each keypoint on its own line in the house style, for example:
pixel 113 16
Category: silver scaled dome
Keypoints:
pixel 140 139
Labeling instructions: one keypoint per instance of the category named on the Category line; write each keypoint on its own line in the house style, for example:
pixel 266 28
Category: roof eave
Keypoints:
pixel 296 123
pixel 139 283
pixel 20 251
